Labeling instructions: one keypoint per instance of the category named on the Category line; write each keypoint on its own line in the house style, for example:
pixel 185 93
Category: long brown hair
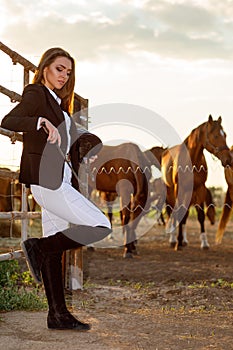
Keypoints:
pixel 66 93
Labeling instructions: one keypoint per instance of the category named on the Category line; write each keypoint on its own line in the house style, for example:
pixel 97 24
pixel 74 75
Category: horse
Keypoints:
pixel 227 207
pixel 158 190
pixel 153 155
pixel 210 213
pixel 125 170
pixel 6 195
pixel 11 193
pixel 108 198
pixel 184 172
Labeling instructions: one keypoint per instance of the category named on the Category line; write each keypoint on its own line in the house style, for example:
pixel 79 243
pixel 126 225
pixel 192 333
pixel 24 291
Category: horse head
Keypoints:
pixel 154 155
pixel 215 140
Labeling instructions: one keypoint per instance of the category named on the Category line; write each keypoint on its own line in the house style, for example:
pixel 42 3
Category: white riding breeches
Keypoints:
pixel 65 206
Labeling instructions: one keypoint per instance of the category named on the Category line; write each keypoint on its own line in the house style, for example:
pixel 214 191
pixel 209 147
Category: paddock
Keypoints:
pixel 162 299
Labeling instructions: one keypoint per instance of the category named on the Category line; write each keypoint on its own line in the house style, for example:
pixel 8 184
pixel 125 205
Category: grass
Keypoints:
pixel 17 289
pixel 220 283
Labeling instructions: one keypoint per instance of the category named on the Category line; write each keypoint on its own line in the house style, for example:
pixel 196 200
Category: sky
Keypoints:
pixel 171 57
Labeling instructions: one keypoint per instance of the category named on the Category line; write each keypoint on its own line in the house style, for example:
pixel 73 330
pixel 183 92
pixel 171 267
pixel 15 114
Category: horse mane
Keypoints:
pixel 192 139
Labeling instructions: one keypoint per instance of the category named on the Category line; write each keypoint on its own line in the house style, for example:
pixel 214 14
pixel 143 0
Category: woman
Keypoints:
pixel 51 150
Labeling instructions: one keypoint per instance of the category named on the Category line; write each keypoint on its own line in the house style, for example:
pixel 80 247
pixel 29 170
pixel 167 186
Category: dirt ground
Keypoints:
pixel 161 299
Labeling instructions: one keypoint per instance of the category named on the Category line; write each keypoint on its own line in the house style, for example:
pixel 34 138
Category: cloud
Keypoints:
pixel 100 29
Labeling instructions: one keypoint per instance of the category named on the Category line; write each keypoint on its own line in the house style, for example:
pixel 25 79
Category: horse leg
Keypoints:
pixel 180 237
pixel 125 218
pixel 170 227
pixel 225 216
pixel 110 216
pixel 162 219
pixel 178 245
pixel 135 216
pixel 210 207
pixel 201 219
pixel 129 247
pixel 185 239
pixel 172 234
pixel 130 239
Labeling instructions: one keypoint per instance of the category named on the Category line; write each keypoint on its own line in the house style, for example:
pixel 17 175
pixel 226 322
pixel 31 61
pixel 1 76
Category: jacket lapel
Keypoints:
pixel 55 106
pixel 58 119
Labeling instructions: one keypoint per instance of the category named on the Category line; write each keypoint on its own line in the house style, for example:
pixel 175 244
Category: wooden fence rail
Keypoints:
pixel 11 255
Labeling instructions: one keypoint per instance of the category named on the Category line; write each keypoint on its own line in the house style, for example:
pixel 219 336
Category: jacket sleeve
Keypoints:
pixel 24 116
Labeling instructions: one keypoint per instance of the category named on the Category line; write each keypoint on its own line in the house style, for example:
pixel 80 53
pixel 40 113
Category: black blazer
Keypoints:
pixel 41 162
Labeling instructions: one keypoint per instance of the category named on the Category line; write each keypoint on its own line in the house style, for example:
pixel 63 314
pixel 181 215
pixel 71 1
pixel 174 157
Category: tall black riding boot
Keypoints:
pixel 58 315
pixel 36 249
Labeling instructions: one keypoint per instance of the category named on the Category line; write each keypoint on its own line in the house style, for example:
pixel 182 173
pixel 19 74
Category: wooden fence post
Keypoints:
pixel 73 259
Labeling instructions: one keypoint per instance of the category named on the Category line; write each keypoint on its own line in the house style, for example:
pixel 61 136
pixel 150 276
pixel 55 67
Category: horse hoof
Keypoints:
pixel 172 244
pixel 184 244
pixel 135 252
pixel 206 247
pixel 178 247
pixel 127 255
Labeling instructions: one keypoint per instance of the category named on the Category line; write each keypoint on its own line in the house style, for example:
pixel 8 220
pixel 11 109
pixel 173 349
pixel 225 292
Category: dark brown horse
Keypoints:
pixel 6 194
pixel 227 207
pixel 125 170
pixel 184 172
pixel 11 192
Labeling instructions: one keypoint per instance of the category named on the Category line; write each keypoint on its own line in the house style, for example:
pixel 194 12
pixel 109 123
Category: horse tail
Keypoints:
pixel 141 186
pixel 210 206
pixel 142 174
pixel 224 217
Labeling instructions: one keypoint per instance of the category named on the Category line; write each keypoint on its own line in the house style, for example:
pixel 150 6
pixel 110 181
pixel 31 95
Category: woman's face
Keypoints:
pixel 57 73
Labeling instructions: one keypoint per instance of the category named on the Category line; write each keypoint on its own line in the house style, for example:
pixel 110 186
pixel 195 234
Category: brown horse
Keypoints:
pixel 153 156
pixel 108 198
pixel 6 195
pixel 184 172
pixel 227 207
pixel 158 190
pixel 125 170
pixel 11 192
pixel 210 213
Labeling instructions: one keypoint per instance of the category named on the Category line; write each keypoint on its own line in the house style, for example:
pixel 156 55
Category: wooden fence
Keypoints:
pixel 72 260
pixel 22 215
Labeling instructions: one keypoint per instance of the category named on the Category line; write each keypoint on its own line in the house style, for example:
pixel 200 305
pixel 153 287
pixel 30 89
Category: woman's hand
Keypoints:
pixel 90 160
pixel 51 130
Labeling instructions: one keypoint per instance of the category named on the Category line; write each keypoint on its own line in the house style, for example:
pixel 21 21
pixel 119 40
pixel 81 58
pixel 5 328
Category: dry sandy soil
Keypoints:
pixel 160 299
